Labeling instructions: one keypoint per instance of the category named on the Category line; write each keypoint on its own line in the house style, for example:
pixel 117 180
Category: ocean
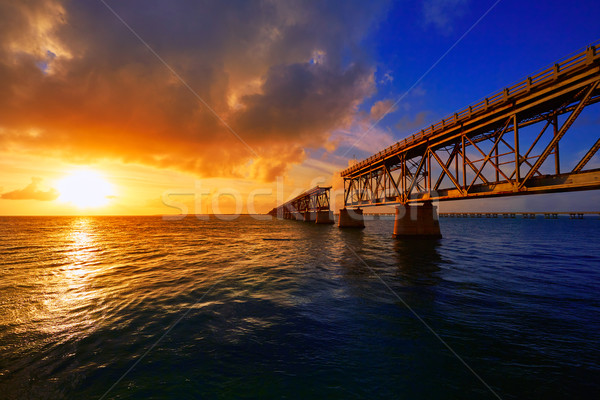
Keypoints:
pixel 147 308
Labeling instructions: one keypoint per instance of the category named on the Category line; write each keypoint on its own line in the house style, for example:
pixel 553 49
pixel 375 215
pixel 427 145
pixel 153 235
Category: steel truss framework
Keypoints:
pixel 315 199
pixel 501 146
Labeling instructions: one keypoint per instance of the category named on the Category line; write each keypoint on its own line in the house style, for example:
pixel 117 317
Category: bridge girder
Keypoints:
pixel 479 152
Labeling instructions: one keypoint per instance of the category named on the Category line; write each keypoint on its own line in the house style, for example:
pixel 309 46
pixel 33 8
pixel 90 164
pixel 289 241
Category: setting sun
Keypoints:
pixel 85 189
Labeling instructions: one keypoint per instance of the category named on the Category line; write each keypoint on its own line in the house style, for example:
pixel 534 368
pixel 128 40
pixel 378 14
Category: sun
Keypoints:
pixel 85 189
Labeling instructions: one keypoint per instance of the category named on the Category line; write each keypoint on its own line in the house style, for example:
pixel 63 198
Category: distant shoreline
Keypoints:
pixel 441 214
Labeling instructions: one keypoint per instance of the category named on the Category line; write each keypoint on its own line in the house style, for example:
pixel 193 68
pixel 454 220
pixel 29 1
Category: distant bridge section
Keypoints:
pixel 310 206
pixel 506 144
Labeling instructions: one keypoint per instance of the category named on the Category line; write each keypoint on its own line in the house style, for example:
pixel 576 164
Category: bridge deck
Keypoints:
pixel 415 168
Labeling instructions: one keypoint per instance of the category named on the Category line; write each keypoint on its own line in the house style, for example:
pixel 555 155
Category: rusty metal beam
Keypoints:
pixel 567 124
pixel 588 156
pixel 446 171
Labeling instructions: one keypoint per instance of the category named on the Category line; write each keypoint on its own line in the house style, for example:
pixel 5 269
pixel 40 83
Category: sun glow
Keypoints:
pixel 85 189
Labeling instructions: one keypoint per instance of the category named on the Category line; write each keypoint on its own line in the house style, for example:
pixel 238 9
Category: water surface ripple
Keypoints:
pixel 82 298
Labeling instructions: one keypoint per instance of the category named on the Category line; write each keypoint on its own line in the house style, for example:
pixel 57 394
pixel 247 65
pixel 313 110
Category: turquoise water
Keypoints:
pixel 140 307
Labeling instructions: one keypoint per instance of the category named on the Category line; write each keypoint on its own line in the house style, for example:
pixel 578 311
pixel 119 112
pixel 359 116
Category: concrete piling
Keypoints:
pixel 310 216
pixel 417 222
pixel 324 217
pixel 351 218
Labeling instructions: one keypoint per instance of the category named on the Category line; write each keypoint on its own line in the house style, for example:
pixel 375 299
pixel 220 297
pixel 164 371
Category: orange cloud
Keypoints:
pixel 32 192
pixel 381 108
pixel 79 86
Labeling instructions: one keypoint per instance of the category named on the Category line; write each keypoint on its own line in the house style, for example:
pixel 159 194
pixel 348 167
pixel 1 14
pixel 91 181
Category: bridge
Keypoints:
pixel 504 145
pixel 312 205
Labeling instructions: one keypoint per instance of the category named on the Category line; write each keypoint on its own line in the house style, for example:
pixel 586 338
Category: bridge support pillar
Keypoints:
pixel 297 216
pixel 351 218
pixel 309 216
pixel 417 222
pixel 324 217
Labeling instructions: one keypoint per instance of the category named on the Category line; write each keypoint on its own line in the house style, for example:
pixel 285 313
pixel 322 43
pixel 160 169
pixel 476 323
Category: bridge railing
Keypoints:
pixel 581 59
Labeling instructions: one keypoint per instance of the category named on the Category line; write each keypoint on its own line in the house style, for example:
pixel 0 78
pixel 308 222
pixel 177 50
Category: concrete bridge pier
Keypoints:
pixel 351 218
pixel 324 217
pixel 310 216
pixel 417 222
pixel 296 215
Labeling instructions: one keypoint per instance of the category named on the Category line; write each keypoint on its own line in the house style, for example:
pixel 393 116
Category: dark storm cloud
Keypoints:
pixel 77 84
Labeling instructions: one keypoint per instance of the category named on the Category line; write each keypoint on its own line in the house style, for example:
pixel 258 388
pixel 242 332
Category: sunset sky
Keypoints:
pixel 141 103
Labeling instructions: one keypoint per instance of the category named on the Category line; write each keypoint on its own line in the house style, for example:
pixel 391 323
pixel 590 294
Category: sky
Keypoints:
pixel 153 107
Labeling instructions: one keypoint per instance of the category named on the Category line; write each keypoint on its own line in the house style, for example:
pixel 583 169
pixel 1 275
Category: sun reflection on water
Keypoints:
pixel 81 246
pixel 68 299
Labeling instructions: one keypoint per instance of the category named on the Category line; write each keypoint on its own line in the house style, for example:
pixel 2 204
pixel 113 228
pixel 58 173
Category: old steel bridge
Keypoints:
pixel 481 151
pixel 311 205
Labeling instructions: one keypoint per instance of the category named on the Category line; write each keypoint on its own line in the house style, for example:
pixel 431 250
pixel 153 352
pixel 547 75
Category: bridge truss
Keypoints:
pixel 506 144
pixel 315 199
